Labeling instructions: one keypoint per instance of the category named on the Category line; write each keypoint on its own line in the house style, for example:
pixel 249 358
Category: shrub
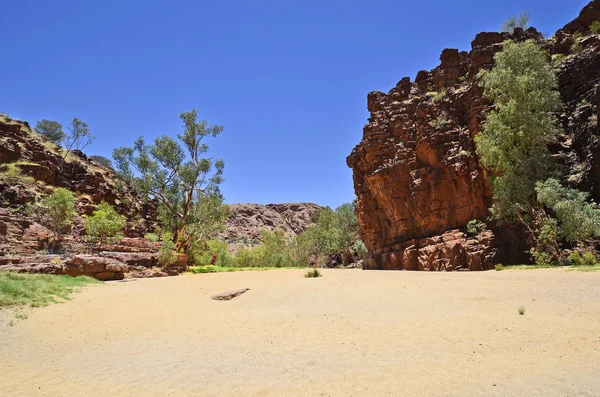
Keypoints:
pixel 52 130
pixel 542 259
pixel 498 267
pixel 314 273
pixel 521 311
pixel 59 210
pixel 152 237
pixel 475 226
pixel 103 161
pixel 579 220
pixel 360 248
pixel 167 254
pixel 586 259
pixel 595 27
pixel 439 122
pixel 215 252
pixel 104 222
pixel 513 22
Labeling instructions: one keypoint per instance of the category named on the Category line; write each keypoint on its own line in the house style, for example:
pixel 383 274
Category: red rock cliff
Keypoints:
pixel 416 174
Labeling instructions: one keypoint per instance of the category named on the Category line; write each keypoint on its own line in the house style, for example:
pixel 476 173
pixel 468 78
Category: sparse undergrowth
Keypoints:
pixel 522 311
pixel 314 273
pixel 223 269
pixel 38 289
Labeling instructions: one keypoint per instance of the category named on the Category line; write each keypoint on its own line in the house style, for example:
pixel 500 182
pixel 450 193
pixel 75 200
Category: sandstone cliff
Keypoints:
pixel 248 220
pixel 416 174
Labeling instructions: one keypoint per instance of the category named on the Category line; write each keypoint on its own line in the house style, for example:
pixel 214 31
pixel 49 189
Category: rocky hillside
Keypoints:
pixel 248 220
pixel 416 173
pixel 31 167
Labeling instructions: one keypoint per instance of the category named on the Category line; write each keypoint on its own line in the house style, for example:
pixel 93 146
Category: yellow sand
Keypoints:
pixel 351 332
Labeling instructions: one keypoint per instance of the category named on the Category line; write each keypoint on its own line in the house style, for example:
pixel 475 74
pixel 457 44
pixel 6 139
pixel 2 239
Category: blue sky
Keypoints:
pixel 287 79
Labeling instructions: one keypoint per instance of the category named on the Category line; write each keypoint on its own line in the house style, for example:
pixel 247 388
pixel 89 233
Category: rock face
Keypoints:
pixel 417 176
pixel 32 166
pixel 248 220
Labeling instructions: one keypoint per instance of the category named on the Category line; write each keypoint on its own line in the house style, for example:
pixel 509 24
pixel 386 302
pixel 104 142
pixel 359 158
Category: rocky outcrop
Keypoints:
pixel 417 176
pixel 248 220
pixel 32 166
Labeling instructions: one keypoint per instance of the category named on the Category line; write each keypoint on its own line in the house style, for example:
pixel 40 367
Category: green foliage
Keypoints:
pixel 595 27
pixel 167 255
pixel 314 273
pixel 475 226
pixel 542 259
pixel 104 222
pixel 576 47
pixel 215 252
pixel 577 259
pixel 79 136
pixel 175 173
pixel 37 289
pixel 579 220
pixel 152 237
pixel 439 122
pixel 513 143
pixel 521 311
pixel 59 210
pixel 360 248
pixel 499 267
pixel 52 130
pixel 557 59
pixel 335 232
pixel 438 96
pixel 513 22
pixel 103 161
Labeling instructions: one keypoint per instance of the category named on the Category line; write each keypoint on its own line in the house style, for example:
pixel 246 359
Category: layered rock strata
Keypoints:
pixel 416 173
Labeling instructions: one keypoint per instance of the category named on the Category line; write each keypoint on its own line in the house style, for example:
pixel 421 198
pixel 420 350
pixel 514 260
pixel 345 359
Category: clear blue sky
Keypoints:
pixel 287 79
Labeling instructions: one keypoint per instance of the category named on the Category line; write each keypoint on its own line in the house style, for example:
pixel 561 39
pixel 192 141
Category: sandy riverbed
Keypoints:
pixel 347 333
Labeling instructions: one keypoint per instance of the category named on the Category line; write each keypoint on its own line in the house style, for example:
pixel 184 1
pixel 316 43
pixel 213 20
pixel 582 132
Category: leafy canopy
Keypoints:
pixel 52 130
pixel 513 22
pixel 579 220
pixel 103 161
pixel 59 210
pixel 513 143
pixel 176 173
pixel 104 222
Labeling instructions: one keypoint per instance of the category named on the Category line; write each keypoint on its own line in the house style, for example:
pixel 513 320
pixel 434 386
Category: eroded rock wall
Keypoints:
pixel 416 174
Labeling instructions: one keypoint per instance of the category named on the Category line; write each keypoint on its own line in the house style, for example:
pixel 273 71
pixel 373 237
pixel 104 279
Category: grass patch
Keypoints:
pixel 521 311
pixel 593 268
pixel 500 267
pixel 38 289
pixel 222 269
pixel 314 273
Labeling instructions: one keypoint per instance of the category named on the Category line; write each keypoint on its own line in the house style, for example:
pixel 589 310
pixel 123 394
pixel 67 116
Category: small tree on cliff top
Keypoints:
pixel 513 22
pixel 513 145
pixel 51 130
pixel 175 173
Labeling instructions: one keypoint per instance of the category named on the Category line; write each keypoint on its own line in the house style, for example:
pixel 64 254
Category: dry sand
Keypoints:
pixel 347 333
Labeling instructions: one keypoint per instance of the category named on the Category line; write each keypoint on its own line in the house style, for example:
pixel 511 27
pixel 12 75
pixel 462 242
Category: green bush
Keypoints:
pixel 595 27
pixel 586 259
pixel 475 226
pixel 499 267
pixel 215 252
pixel 542 259
pixel 167 254
pixel 59 210
pixel 314 273
pixel 579 220
pixel 439 123
pixel 104 222
pixel 152 237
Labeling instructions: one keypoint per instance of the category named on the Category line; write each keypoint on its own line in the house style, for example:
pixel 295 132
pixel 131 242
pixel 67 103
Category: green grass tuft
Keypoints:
pixel 522 311
pixel 38 289
pixel 314 273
